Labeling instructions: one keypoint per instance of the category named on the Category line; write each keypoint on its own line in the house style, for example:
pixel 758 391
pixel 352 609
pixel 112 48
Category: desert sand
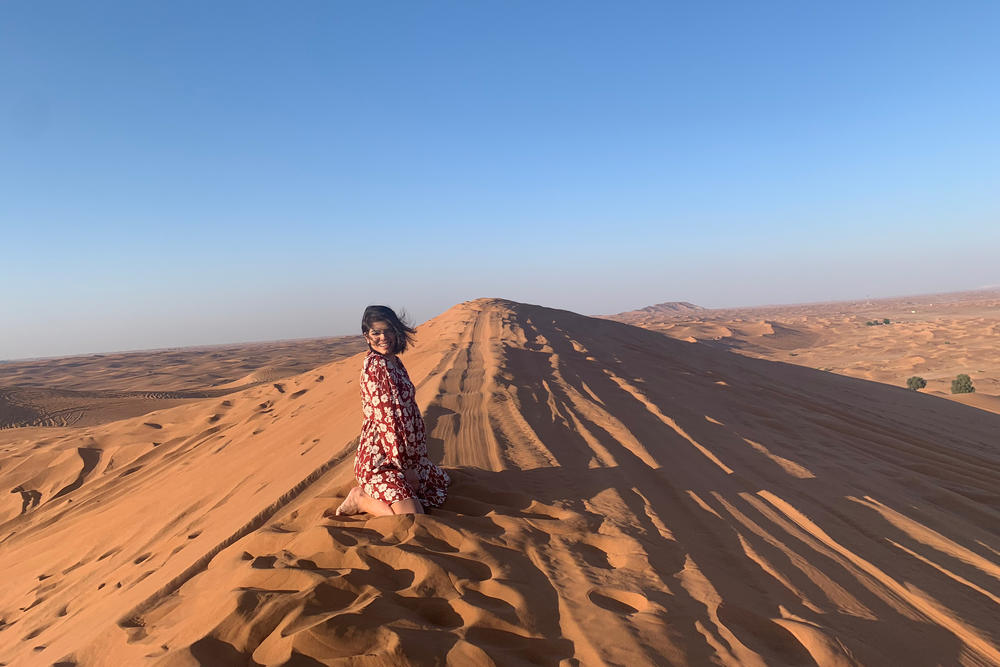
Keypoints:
pixel 99 388
pixel 935 336
pixel 619 497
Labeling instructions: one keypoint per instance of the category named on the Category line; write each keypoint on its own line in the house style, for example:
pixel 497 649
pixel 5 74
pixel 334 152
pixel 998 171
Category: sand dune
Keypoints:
pixel 99 388
pixel 935 337
pixel 619 497
pixel 679 309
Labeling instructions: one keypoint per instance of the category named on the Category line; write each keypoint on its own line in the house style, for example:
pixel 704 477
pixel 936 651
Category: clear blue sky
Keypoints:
pixel 181 173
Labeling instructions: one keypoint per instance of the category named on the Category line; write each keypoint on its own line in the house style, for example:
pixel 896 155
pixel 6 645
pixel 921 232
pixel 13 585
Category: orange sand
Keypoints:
pixel 619 497
pixel 98 388
pixel 935 336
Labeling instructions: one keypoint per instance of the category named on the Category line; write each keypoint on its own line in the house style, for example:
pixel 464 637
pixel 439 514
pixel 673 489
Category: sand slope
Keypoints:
pixel 99 388
pixel 619 497
pixel 933 336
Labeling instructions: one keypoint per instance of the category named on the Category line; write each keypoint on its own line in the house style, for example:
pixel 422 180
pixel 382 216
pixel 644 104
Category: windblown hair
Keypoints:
pixel 403 330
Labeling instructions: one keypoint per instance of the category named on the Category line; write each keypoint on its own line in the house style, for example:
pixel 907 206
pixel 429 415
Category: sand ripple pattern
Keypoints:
pixel 619 497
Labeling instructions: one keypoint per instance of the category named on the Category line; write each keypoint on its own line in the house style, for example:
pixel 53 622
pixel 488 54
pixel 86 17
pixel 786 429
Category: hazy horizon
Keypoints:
pixel 195 174
pixel 419 321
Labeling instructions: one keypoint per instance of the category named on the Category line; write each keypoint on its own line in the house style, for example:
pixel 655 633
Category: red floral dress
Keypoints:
pixel 392 437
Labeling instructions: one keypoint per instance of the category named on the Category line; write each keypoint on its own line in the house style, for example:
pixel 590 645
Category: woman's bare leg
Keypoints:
pixel 358 502
pixel 408 506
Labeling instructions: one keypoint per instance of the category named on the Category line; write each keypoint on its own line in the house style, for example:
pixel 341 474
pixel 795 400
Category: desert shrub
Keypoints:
pixel 887 321
pixel 916 382
pixel 962 384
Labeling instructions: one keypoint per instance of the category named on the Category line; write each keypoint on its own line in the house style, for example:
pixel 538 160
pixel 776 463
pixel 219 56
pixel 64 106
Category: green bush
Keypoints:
pixel 887 321
pixel 962 384
pixel 916 383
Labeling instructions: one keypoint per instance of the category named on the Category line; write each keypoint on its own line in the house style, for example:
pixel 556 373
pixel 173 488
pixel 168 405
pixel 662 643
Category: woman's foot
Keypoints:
pixel 359 502
pixel 351 504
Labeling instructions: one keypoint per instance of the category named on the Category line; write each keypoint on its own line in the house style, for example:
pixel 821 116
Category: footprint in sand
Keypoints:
pixel 263 562
pixel 617 601
pixel 496 606
pixel 134 626
pixel 29 498
pixel 593 556
pixel 434 611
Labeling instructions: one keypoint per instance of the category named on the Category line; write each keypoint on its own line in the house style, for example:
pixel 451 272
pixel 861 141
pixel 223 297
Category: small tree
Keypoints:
pixel 916 383
pixel 962 384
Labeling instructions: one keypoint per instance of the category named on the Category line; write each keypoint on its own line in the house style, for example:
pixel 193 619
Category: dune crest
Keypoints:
pixel 619 497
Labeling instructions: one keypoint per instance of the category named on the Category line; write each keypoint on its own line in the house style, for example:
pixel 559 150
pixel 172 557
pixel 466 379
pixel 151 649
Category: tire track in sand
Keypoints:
pixel 459 413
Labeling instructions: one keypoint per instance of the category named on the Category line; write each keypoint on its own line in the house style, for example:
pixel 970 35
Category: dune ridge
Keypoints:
pixel 619 497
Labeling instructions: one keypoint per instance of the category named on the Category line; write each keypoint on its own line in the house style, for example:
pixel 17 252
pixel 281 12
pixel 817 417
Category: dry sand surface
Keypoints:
pixel 619 497
pixel 99 388
pixel 935 337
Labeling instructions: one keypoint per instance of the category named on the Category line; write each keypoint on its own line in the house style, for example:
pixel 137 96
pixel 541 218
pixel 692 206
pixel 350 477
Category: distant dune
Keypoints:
pixel 934 336
pixel 99 388
pixel 619 497
pixel 666 309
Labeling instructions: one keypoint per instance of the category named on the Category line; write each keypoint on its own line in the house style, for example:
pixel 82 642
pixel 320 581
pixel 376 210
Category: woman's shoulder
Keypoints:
pixel 374 360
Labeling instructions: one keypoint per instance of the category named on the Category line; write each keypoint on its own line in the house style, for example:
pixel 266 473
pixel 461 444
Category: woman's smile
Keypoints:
pixel 381 337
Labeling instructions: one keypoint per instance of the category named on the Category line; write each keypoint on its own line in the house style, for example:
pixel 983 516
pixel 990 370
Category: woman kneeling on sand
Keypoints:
pixel 392 469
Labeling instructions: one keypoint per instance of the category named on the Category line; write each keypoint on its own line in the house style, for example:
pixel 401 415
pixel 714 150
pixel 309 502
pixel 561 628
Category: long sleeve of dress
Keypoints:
pixel 396 428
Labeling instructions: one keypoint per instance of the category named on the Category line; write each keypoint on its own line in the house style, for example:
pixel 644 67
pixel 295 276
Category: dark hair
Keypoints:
pixel 402 329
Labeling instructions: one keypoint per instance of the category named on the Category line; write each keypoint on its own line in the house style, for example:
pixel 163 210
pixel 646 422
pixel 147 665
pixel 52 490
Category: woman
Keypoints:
pixel 392 469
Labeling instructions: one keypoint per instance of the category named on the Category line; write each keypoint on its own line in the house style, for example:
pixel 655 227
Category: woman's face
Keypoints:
pixel 381 337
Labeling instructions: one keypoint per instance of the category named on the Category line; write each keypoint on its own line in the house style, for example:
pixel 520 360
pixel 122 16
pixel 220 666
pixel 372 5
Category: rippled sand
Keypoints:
pixel 619 496
pixel 935 337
